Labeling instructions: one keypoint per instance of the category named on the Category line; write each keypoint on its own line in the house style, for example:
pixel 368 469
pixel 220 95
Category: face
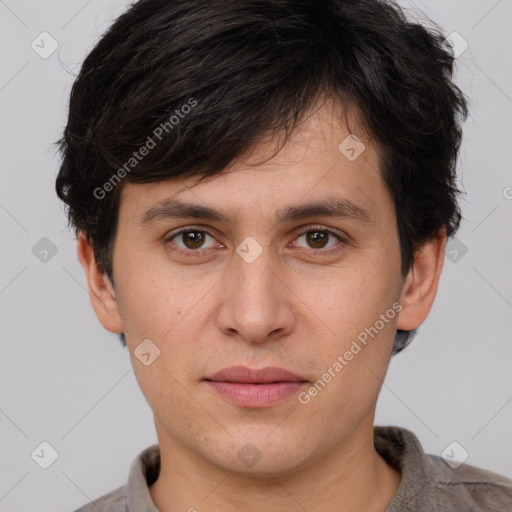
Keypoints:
pixel 256 288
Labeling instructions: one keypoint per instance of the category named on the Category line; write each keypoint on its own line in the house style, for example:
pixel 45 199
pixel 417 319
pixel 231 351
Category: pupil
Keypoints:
pixel 191 235
pixel 196 238
pixel 317 239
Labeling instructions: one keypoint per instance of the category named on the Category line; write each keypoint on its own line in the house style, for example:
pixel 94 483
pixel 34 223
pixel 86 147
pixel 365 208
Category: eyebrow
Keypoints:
pixel 330 207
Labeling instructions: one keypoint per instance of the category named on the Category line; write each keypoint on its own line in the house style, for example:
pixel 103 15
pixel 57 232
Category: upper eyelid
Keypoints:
pixel 303 231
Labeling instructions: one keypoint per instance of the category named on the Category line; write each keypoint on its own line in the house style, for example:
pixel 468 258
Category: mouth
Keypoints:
pixel 255 388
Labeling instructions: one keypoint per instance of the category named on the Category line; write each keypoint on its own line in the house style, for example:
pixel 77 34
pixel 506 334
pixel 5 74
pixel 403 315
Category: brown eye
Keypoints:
pixel 317 238
pixel 193 239
pixel 190 240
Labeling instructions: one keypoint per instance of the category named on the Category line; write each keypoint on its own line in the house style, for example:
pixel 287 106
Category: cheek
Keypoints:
pixel 352 377
pixel 153 301
pixel 358 309
pixel 170 397
pixel 167 310
pixel 349 298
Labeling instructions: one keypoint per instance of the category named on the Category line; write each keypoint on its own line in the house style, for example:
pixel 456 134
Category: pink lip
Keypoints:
pixel 247 375
pixel 255 388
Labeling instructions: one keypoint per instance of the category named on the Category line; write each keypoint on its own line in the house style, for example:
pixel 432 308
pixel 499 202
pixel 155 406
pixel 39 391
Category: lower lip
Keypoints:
pixel 256 395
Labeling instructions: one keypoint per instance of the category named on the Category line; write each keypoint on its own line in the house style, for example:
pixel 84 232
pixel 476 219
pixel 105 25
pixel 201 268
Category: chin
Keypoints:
pixel 262 458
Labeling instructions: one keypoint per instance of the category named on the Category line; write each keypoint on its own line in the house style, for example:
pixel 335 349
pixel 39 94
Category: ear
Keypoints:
pixel 420 287
pixel 101 291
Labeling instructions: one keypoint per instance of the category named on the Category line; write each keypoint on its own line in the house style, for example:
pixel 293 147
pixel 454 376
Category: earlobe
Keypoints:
pixel 420 287
pixel 101 292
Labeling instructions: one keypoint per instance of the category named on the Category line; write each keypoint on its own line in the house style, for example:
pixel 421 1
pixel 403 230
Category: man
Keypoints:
pixel 262 192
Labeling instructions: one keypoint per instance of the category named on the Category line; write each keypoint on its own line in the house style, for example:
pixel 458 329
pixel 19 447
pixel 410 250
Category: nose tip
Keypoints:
pixel 256 304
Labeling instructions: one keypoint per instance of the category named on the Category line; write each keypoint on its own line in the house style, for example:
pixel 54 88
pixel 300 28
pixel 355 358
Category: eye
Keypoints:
pixel 192 240
pixel 318 237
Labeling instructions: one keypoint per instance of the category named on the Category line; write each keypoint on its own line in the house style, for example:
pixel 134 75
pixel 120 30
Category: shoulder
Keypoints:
pixel 474 487
pixel 113 501
pixel 430 484
pixel 134 496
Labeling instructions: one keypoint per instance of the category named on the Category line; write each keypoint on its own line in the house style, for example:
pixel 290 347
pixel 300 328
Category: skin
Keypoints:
pixel 288 308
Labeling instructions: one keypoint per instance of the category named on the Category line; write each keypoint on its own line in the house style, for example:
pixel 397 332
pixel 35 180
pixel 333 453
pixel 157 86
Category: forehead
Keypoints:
pixel 322 159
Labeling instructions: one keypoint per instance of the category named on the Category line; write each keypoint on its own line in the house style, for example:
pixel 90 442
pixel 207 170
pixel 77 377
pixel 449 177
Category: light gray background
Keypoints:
pixel 66 381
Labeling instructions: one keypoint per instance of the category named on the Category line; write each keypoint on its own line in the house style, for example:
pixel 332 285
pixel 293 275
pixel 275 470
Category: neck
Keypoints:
pixel 350 477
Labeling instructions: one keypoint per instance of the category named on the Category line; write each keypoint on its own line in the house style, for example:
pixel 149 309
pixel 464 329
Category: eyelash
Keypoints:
pixel 198 253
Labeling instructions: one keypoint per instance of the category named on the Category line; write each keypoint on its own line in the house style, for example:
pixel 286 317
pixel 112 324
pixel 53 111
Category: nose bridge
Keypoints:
pixel 254 304
pixel 254 272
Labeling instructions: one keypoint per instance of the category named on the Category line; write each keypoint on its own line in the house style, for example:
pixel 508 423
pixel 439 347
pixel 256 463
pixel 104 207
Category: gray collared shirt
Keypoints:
pixel 428 483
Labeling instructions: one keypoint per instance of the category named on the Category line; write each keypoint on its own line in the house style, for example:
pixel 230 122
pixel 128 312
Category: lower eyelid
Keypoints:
pixel 200 251
pixel 183 250
pixel 330 233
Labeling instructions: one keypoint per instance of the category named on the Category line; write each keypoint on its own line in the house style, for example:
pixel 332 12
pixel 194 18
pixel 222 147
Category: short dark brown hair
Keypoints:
pixel 246 67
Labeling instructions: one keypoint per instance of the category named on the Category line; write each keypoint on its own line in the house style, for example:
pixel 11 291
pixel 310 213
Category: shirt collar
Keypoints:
pixel 399 447
pixel 144 471
pixel 402 450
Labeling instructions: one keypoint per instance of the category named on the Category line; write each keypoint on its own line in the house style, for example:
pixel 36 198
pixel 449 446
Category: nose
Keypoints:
pixel 256 302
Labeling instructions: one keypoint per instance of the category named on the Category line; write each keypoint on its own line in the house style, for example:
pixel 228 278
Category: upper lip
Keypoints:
pixel 249 375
